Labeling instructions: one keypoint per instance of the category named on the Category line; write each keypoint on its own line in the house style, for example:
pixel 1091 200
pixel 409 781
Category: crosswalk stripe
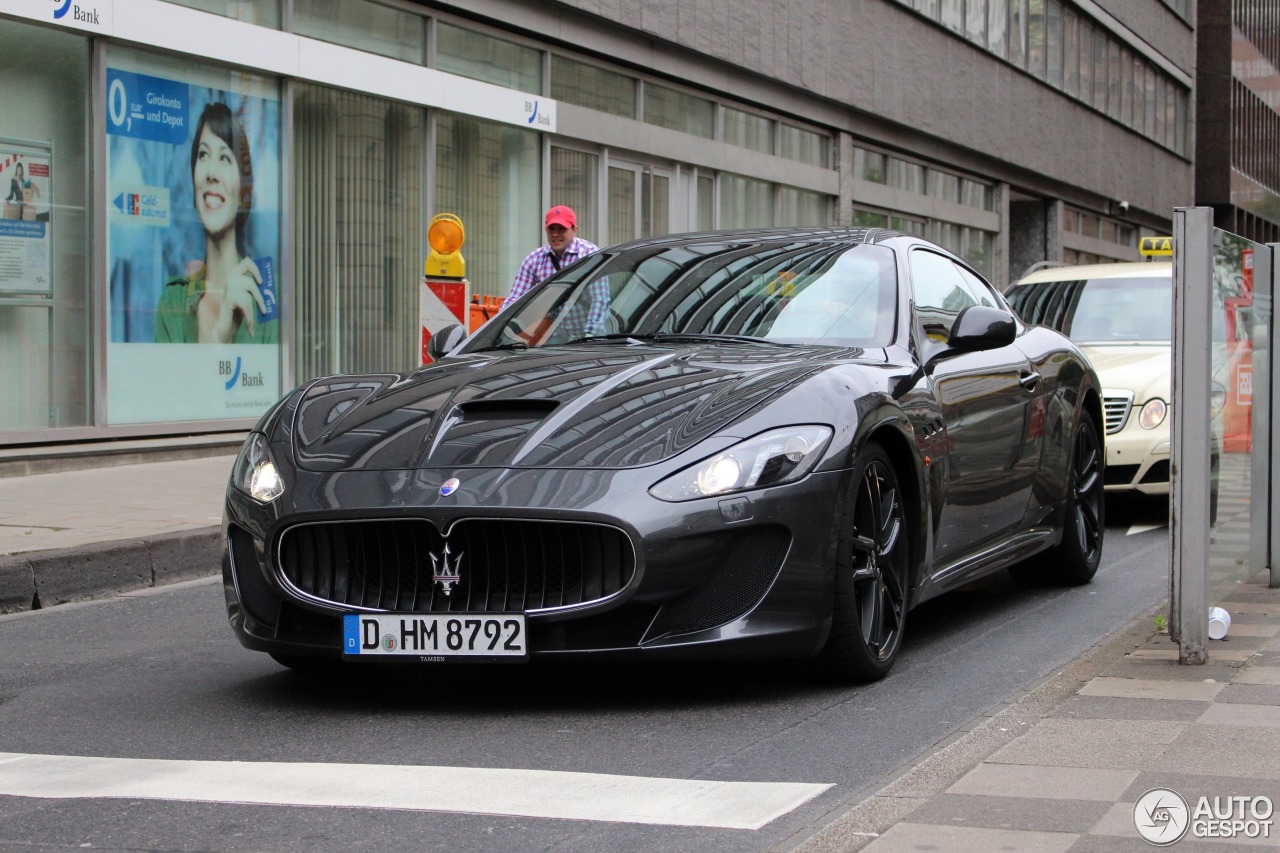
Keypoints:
pixel 523 793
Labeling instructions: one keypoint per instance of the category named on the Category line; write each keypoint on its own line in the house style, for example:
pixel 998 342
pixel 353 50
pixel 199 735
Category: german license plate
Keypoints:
pixel 435 636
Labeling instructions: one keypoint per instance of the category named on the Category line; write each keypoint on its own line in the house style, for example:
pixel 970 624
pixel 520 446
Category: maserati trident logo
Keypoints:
pixel 445 569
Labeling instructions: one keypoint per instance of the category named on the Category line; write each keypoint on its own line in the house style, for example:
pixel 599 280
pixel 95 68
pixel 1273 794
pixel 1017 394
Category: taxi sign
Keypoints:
pixel 1156 246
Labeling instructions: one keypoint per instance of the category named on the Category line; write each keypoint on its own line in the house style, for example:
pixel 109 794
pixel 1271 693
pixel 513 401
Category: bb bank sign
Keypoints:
pixel 93 15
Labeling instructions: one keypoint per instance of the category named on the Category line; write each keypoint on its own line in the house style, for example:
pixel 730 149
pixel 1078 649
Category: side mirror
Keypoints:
pixel 981 327
pixel 445 341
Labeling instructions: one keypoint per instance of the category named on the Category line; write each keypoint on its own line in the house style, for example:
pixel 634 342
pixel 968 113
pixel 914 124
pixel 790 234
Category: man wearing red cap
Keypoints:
pixel 563 247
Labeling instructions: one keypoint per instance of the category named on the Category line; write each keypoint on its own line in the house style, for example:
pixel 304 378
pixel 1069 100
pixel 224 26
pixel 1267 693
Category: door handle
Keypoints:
pixel 1029 381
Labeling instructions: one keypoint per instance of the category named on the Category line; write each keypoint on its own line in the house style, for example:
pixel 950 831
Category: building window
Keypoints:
pixel 747 130
pixel 358 232
pixel 595 88
pixel 264 13
pixel 362 25
pixel 803 207
pixel 488 174
pixel 745 202
pixel 869 165
pixel 46 344
pixel 483 57
pixel 679 111
pixel 574 182
pixel 804 146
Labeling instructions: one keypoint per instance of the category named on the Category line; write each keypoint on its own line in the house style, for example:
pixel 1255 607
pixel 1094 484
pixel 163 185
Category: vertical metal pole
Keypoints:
pixel 1271 508
pixel 1189 451
pixel 1260 444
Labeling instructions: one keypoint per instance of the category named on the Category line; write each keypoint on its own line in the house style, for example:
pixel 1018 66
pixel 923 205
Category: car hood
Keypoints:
pixel 595 406
pixel 1144 369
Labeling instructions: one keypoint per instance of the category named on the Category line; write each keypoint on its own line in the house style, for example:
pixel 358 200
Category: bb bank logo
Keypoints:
pixel 233 376
pixel 63 6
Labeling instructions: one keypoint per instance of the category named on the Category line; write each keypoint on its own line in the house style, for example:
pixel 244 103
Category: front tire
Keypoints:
pixel 870 604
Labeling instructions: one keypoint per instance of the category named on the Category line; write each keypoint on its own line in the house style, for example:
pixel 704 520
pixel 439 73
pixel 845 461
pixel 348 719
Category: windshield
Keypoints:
pixel 1100 310
pixel 804 292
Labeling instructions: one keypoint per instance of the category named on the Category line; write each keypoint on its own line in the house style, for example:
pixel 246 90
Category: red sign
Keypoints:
pixel 441 302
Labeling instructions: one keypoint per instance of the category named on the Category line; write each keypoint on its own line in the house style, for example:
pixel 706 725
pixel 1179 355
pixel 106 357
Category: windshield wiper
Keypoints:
pixel 514 345
pixel 678 337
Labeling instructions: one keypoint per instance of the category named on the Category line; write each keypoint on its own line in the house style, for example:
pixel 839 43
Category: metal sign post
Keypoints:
pixel 1189 452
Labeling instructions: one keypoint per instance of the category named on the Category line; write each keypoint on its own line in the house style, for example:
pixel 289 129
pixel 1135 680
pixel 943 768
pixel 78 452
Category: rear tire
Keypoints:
pixel 870 604
pixel 1075 559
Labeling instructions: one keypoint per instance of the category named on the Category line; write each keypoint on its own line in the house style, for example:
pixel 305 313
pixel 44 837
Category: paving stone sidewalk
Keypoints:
pixel 1061 768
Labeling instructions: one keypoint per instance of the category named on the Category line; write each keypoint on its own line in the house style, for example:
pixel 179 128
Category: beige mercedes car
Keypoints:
pixel 1121 315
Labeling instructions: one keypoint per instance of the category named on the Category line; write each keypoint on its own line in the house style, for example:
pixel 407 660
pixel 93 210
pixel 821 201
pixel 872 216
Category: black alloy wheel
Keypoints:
pixel 1075 560
pixel 870 583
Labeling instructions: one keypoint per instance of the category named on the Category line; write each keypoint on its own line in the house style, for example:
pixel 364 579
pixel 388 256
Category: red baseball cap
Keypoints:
pixel 561 215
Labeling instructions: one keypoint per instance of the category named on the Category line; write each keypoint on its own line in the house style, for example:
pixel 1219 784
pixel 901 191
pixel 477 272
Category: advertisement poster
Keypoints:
pixel 25 226
pixel 193 174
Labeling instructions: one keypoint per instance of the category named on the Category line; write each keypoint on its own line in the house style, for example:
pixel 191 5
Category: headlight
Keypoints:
pixel 254 472
pixel 768 459
pixel 1152 414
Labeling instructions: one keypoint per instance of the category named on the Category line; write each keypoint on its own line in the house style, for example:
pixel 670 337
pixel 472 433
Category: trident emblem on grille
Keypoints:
pixel 445 570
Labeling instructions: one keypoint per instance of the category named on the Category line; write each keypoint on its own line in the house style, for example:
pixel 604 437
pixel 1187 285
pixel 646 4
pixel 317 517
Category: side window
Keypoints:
pixel 940 294
pixel 982 291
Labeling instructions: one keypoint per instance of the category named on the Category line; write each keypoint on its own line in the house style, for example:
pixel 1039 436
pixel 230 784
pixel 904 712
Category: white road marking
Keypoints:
pixel 1143 528
pixel 523 793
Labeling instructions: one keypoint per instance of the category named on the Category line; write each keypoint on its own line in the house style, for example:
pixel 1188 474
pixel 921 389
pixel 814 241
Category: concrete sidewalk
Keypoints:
pixel 1060 767
pixel 93 532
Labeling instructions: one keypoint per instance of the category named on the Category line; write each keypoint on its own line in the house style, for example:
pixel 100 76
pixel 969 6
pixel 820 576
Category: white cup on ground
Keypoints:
pixel 1219 623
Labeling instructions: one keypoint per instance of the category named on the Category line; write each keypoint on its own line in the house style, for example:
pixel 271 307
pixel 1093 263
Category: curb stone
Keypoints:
pixel 107 568
pixel 17 584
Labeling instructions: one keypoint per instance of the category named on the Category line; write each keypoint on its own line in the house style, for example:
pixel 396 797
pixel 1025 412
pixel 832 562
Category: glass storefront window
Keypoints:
pixel 679 111
pixel 747 130
pixel 804 146
pixel 363 25
pixel 264 13
pixel 46 353
pixel 489 175
pixel 358 233
pixel 624 215
pixel 745 202
pixel 803 207
pixel 1053 42
pixel 574 182
pixel 483 57
pixel 590 86
pixel 952 15
pixel 1018 32
pixel 706 203
pixel 1086 63
pixel 193 240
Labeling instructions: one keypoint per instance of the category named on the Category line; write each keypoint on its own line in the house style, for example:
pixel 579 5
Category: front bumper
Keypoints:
pixel 742 576
pixel 1138 459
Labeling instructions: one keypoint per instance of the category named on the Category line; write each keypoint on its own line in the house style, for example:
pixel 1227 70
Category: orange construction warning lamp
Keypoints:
pixel 446 236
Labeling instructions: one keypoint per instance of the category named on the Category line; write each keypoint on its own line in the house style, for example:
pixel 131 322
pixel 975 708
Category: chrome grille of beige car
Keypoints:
pixel 1116 406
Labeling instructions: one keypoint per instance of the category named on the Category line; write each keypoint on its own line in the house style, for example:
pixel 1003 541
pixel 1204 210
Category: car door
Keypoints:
pixel 991 406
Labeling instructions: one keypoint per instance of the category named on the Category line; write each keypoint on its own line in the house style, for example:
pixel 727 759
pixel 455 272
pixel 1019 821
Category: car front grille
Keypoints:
pixel 1116 406
pixel 493 565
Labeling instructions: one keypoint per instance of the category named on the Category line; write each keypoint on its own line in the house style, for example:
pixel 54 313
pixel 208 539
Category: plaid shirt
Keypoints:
pixel 538 265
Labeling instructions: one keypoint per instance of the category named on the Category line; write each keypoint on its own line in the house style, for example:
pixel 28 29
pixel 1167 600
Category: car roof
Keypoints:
pixel 1137 269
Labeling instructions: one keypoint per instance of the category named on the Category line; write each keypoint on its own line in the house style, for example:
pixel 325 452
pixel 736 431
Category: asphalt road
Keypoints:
pixel 159 676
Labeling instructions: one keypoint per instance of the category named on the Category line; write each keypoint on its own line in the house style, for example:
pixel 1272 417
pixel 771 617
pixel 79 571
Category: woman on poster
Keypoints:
pixel 221 299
